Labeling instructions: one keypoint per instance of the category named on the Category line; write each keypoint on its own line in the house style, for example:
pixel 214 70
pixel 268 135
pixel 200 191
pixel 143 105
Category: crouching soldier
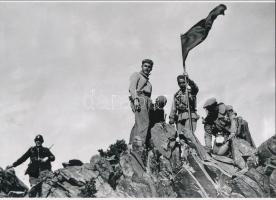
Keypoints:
pixel 40 163
pixel 222 123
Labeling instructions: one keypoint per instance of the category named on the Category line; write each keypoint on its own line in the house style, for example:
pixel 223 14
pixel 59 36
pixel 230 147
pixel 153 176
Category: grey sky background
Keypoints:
pixel 65 67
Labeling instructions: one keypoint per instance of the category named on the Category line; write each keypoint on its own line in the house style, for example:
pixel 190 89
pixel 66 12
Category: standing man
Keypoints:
pixel 179 111
pixel 140 92
pixel 40 161
pixel 180 116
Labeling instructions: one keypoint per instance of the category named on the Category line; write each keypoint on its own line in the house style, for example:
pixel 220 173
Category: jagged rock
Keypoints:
pixel 135 181
pixel 272 182
pixel 163 175
pixel 69 181
pixel 11 185
pixel 163 139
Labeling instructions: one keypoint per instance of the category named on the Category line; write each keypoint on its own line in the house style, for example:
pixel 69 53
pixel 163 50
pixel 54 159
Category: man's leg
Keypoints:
pixel 45 185
pixel 33 182
pixel 141 125
pixel 237 154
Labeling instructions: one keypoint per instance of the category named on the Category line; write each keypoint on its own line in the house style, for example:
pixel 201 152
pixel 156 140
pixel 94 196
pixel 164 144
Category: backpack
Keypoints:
pixel 243 131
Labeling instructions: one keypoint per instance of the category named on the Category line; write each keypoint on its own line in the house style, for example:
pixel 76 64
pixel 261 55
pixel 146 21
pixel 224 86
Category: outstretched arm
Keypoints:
pixel 22 159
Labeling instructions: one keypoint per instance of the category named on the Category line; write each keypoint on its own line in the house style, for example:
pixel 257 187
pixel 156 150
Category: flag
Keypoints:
pixel 199 31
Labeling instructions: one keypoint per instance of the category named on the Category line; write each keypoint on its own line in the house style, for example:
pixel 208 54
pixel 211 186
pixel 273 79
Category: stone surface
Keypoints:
pixel 162 175
pixel 10 185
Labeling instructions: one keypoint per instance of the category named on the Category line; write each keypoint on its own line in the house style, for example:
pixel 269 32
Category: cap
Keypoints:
pixel 210 102
pixel 229 108
pixel 39 138
pixel 147 61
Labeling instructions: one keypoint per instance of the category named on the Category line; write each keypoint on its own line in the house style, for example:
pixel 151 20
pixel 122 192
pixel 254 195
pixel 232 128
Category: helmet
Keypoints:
pixel 210 102
pixel 162 101
pixel 229 108
pixel 39 138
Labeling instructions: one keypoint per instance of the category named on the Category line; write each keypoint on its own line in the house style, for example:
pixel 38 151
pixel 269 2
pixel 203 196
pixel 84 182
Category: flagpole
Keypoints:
pixel 186 91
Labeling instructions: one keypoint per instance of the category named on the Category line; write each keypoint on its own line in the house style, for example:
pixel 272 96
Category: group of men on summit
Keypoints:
pixel 221 120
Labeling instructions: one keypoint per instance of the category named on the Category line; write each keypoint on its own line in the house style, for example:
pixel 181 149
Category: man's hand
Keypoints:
pixel 9 166
pixel 186 74
pixel 45 159
pixel 137 106
pixel 171 121
pixel 231 136
pixel 189 88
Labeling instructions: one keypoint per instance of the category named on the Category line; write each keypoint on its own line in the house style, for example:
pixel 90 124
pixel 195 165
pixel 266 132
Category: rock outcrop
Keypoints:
pixel 157 172
pixel 10 185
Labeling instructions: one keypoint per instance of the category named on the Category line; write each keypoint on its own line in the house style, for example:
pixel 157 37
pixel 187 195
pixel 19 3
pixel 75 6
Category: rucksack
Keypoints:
pixel 243 131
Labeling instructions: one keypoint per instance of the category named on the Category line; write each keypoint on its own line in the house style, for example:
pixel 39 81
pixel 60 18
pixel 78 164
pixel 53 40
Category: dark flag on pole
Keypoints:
pixel 199 32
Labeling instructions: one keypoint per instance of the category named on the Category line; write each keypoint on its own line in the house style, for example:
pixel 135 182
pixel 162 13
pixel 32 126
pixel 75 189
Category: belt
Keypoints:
pixel 143 93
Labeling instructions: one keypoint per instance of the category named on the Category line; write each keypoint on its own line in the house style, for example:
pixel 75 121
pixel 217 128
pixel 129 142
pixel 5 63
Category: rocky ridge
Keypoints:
pixel 123 172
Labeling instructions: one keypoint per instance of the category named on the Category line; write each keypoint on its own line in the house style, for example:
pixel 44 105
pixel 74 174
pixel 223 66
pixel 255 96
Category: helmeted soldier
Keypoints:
pixel 221 121
pixel 140 92
pixel 179 112
pixel 218 123
pixel 40 161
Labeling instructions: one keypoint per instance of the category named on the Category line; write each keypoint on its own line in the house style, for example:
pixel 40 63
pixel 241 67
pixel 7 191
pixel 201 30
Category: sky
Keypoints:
pixel 65 68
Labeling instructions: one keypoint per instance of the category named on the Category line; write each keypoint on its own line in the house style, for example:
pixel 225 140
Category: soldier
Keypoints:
pixel 157 114
pixel 221 121
pixel 140 92
pixel 179 111
pixel 180 116
pixel 40 161
pixel 219 124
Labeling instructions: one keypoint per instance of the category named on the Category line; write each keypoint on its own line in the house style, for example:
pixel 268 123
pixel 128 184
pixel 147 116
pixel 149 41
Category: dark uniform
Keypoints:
pixel 37 168
pixel 140 88
pixel 157 114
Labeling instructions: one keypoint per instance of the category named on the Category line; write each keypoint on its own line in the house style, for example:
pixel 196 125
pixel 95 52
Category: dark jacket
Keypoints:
pixel 36 166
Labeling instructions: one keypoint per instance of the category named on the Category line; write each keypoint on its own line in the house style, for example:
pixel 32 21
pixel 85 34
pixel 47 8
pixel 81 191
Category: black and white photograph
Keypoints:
pixel 137 99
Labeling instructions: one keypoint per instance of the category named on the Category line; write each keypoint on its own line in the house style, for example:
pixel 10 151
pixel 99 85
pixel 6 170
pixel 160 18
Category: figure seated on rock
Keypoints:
pixel 221 122
pixel 158 114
